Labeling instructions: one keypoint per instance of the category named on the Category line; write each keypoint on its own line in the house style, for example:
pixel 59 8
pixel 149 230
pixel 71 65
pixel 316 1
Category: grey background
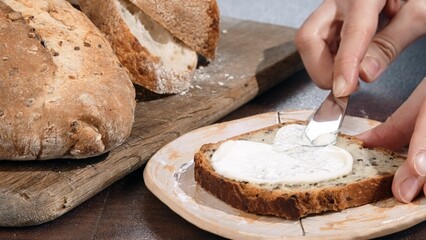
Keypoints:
pixel 290 13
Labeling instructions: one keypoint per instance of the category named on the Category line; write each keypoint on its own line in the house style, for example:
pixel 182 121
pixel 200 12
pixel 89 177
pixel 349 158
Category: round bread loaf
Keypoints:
pixel 63 92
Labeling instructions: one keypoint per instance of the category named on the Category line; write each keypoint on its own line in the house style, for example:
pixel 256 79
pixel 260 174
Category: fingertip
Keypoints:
pixel 392 7
pixel 339 86
pixel 343 88
pixel 365 138
pixel 424 189
pixel 419 163
pixel 406 185
pixel 301 39
pixel 370 69
pixel 408 189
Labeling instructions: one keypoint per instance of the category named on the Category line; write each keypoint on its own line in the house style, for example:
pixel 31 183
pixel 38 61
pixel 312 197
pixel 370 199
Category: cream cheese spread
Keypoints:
pixel 288 160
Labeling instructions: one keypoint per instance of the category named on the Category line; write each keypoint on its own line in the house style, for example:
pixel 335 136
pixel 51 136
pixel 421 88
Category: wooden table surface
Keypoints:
pixel 128 210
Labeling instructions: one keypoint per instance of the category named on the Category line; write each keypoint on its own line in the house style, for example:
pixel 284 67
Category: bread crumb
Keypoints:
pixel 31 35
pixel 14 16
pixel 202 76
pixel 34 49
pixel 364 113
pixel 198 87
pixel 228 77
pixel 54 53
pixel 184 92
pixel 29 102
pixel 224 31
pixel 220 83
pixel 5 58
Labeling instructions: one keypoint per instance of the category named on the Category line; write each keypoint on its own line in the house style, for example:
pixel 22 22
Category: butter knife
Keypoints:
pixel 324 124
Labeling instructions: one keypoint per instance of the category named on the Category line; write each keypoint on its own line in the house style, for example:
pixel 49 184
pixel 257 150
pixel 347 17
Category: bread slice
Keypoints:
pixel 63 91
pixel 156 58
pixel 195 23
pixel 369 181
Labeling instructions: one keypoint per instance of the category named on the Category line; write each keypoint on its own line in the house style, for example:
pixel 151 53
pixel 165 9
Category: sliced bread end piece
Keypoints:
pixel 154 58
pixel 196 23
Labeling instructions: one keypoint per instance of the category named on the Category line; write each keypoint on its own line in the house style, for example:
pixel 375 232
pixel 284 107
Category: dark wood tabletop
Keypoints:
pixel 128 210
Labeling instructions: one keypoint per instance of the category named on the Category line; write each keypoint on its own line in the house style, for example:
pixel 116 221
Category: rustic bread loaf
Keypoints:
pixel 369 181
pixel 147 43
pixel 63 91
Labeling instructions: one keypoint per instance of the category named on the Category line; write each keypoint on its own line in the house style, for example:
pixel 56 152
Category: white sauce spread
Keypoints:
pixel 289 160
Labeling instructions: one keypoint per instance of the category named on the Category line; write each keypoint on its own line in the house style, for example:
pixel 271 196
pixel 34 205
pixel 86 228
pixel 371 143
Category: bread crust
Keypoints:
pixel 63 93
pixel 196 22
pixel 145 68
pixel 288 203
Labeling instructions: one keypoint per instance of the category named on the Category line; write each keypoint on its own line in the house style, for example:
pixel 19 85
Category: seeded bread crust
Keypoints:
pixel 195 22
pixel 63 92
pixel 296 201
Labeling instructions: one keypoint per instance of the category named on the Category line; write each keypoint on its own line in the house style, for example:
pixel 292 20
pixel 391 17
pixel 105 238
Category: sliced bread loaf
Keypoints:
pixel 369 181
pixel 145 37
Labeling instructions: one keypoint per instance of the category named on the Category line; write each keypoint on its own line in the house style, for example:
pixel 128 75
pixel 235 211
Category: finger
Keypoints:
pixel 397 130
pixel 356 35
pixel 411 176
pixel 392 7
pixel 393 134
pixel 416 158
pixel 406 186
pixel 403 29
pixel 312 43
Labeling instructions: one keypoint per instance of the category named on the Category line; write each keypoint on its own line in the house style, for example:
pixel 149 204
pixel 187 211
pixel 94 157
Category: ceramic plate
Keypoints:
pixel 169 174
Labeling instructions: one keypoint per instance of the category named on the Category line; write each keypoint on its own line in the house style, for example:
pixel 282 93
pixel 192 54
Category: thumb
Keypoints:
pixel 404 28
pixel 410 178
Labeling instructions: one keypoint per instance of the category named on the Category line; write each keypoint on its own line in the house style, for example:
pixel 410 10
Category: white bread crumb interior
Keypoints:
pixel 156 39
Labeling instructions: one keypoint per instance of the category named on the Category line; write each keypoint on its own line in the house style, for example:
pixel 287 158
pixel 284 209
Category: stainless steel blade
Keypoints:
pixel 325 123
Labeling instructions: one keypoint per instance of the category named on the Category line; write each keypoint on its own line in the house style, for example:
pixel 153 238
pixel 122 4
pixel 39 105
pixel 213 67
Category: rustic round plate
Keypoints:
pixel 169 174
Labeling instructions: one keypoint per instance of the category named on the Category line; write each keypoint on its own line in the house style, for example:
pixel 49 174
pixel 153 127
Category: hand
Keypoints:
pixel 339 42
pixel 408 122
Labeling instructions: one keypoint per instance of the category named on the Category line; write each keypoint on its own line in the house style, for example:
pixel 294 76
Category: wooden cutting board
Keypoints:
pixel 252 57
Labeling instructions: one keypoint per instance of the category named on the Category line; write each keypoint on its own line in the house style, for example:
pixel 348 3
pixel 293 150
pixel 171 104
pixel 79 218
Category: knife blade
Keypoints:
pixel 324 124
